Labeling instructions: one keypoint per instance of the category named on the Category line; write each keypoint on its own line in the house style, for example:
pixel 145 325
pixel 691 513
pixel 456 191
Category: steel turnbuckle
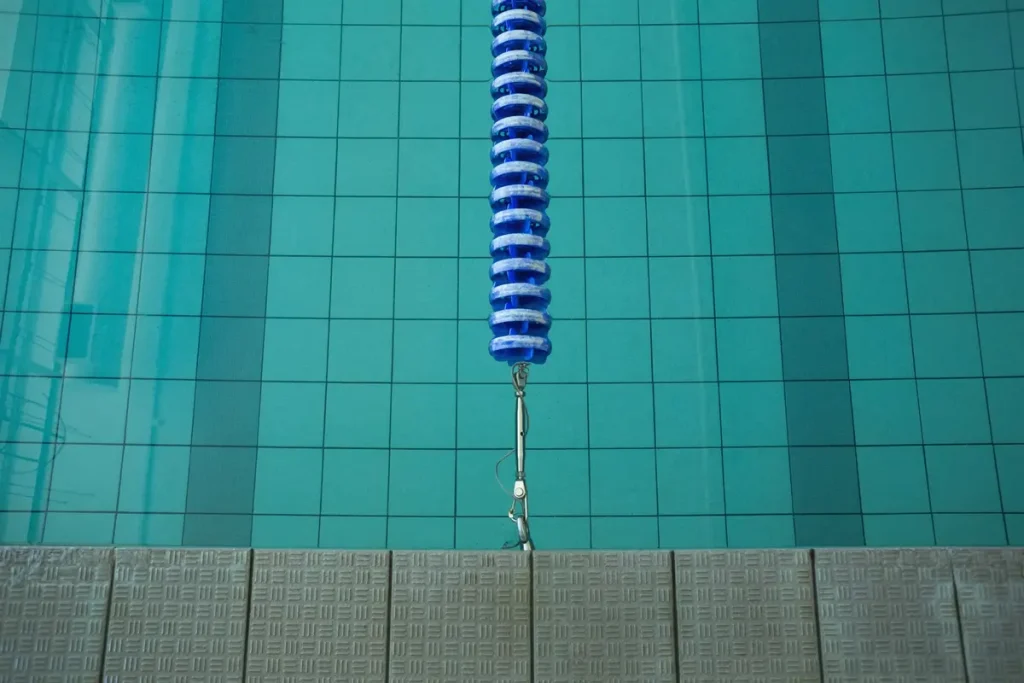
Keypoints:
pixel 519 511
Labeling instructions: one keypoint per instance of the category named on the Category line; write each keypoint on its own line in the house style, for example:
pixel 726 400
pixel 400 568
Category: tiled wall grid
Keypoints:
pixel 935 615
pixel 245 253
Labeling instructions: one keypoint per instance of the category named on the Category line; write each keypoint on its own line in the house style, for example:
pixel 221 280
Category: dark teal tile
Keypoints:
pixel 252 11
pixel 288 482
pixel 796 298
pixel 687 415
pixel 819 413
pixel 795 106
pixel 796 10
pixel 857 105
pixel 250 51
pixel 685 533
pixel 421 483
pixel 353 532
pixel 292 414
pixel 814 348
pixel 623 482
pixel 211 531
pixel 226 414
pixel 242 165
pixel 885 412
pixel 879 347
pixel 624 533
pixel 749 349
pixel 775 531
pixel 946 345
pixel 753 414
pixel 914 45
pixel 803 224
pixel 831 531
pixel 898 531
pixel 247 107
pixel 852 48
pixel 231 348
pixel 790 50
pixel 355 482
pixel 621 416
pixel 963 479
pixel 893 479
pixel 953 411
pixel 221 480
pixel 978 41
pixel 824 481
pixel 670 52
pixel 235 285
pixel 800 164
pixel 690 482
pixel 729 51
pixel 873 284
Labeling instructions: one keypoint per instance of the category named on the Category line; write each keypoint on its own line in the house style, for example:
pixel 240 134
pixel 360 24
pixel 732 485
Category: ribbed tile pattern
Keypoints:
pixel 888 616
pixel 460 617
pixel 53 608
pixel 318 616
pixel 603 617
pixel 746 615
pixel 178 615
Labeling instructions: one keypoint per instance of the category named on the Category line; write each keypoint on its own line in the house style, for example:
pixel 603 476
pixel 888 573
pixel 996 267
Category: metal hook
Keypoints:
pixel 519 511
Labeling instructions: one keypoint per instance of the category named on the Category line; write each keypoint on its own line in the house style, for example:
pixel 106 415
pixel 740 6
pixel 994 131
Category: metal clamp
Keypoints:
pixel 519 511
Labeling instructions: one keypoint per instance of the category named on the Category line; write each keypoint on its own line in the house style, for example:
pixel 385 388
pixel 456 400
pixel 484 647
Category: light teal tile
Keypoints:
pixel 624 533
pixel 353 533
pixel 414 427
pixel 621 416
pixel 686 533
pixel 761 531
pixel 79 528
pixel 355 482
pixel 154 479
pixel 21 528
pixel 479 479
pixel 893 480
pixel 970 530
pixel 885 412
pixel 753 414
pixel 623 482
pixel 295 350
pixel 480 429
pixel 360 350
pixel 757 481
pixel 898 531
pixel 690 482
pixel 963 479
pixel 288 481
pixel 365 429
pixel 279 531
pixel 160 411
pixel 149 530
pixel 483 533
pixel 423 533
pixel 550 472
pixel 292 414
pixel 686 415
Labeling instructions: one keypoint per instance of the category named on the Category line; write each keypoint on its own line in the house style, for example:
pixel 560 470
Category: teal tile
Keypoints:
pixel 310 52
pixel 78 528
pixel 970 530
pixel 94 410
pixel 473 302
pixel 98 346
pixel 730 51
pixel 609 12
pixel 1004 398
pixel 963 479
pixel 628 176
pixel 428 110
pixel 479 479
pixel 353 216
pixel 1000 335
pixel 476 41
pixel 566 167
pixel 920 102
pixel 160 412
pixel 753 414
pixel 123 104
pixel 127 165
pixel 623 482
pixel 311 12
pixel 741 225
pixel 686 415
pixel 745 286
pixel 561 368
pixel 990 216
pixel 154 479
pixel 834 531
pixel 360 351
pixel 623 533
pixel 852 48
pixel 302 226
pixel 305 166
pixel 914 45
pixel 367 167
pixel 734 107
pixel 749 349
pixel 295 350
pixel 939 282
pixel 222 357
pixel 34 392
pixel 790 50
pixel 932 221
pixel 800 164
pixel 550 471
pixel 181 164
pixel 383 12
pixel 430 53
pixel 879 347
pixel 412 427
pixel 185 105
pixel 367 428
pixel 288 481
pixel 428 227
pixel 25 487
pixel 824 481
pixel 292 414
pixel 679 287
pixel 370 53
pixel 85 479
pixel 563 54
pixel 572 301
pixel 690 482
pixel 172 284
pixel 1010 464
pixel 990 158
pixel 873 284
pixel 893 480
pixel 985 99
pixel 176 223
pixel 619 350
pixel 280 531
pixel 68 44
pixel 996 288
pixel 764 531
pixel 562 533
pixel 217 531
pixel 686 533
pixel 885 412
pixel 618 288
pixel 677 226
pixel 898 531
pixel 558 416
pixel 978 41
pixel 601 64
pixel 795 106
pixel 34 343
pixel 21 528
pixel 621 416
pixel 670 52
pixel 857 104
pixel 363 533
pixel 675 166
pixel 149 530
pixel 1015 529
pixel 474 168
pixel 46 152
pixel 612 110
pixel 926 161
pixel 352 274
pixel 674 108
pixel 424 533
pixel 487 430
pixel 862 163
pixel 417 173
pixel 110 280
pixel 683 350
pixel 235 286
pixel 366 109
pixel 483 534
pixel 604 220
pixel 737 166
pixel 946 345
pixel 672 12
pixel 355 482
pixel 833 10
pixel 415 340
pixel 112 222
pixel 565 117
pixel 221 480
pixel 425 288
